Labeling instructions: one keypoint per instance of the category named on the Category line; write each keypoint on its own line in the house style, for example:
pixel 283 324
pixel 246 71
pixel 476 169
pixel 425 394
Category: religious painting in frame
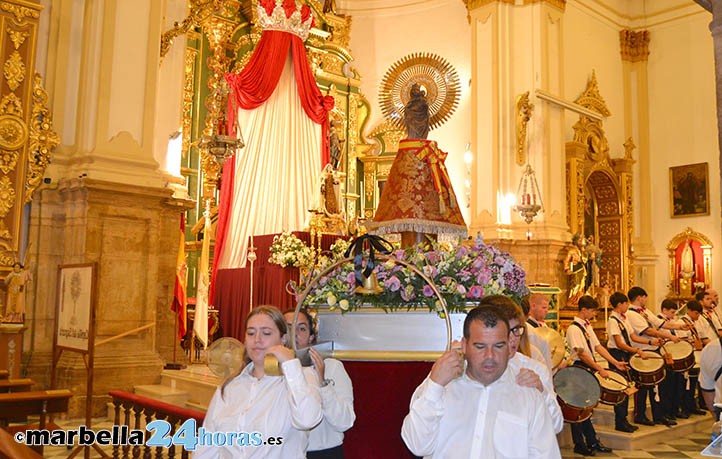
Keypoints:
pixel 75 307
pixel 689 190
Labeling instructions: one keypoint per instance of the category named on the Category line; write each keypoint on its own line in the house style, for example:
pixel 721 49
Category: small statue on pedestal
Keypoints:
pixel 16 284
pixel 416 114
pixel 575 265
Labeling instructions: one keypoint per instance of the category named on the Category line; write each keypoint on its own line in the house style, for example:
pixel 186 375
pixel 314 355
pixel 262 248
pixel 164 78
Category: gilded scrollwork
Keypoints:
pixel 43 139
pixel 20 12
pixel 592 99
pixel 7 195
pixel 189 75
pixel 11 105
pixel 634 45
pixel 14 70
pixel 17 37
pixel 13 132
pixel 8 160
pixel 523 115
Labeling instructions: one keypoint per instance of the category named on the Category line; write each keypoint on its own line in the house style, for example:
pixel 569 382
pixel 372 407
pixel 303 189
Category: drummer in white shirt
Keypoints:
pixel 479 411
pixel 700 334
pixel 708 312
pixel 581 337
pixel 326 440
pixel 621 337
pixel 654 331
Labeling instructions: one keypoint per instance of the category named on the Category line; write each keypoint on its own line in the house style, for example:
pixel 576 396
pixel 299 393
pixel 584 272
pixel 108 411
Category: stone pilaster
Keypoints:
pixel 131 232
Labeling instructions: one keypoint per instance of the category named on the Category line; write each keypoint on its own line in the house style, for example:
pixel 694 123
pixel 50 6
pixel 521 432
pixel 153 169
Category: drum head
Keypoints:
pixel 650 365
pixel 615 383
pixel 679 350
pixel 577 387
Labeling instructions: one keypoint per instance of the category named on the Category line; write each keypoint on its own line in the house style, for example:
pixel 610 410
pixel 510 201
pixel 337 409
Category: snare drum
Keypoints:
pixel 682 355
pixel 613 389
pixel 578 392
pixel 647 372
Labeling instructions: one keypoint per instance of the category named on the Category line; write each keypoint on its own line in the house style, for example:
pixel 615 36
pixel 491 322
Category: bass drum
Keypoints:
pixel 578 392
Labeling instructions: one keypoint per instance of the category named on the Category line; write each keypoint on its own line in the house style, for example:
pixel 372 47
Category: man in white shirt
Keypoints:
pixel 581 337
pixel 710 382
pixel 653 331
pixel 535 308
pixel 708 312
pixel 325 441
pixel 480 412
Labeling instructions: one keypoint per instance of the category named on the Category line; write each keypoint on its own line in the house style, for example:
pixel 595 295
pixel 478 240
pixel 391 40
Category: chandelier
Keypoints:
pixel 221 146
pixel 528 192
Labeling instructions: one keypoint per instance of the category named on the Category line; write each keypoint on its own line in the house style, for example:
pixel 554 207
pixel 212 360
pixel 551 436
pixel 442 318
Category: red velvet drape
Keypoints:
pixel 259 78
pixel 224 208
pixel 251 88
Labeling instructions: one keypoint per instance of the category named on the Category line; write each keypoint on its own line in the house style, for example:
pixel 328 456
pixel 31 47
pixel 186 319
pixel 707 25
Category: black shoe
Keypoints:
pixel 699 412
pixel 600 447
pixel 625 428
pixel 683 415
pixel 666 421
pixel 583 450
pixel 643 422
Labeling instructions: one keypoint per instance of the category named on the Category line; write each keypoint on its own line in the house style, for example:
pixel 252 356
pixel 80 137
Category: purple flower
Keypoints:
pixel 446 280
pixel 463 275
pixel 407 293
pixel 428 291
pixel 433 257
pixel 393 283
pixel 460 289
pixel 484 277
pixel 475 292
pixel 430 271
pixel 461 252
pixel 351 278
pixel 400 254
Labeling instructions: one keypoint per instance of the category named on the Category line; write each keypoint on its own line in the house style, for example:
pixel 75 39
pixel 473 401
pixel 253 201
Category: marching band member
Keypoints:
pixel 692 318
pixel 672 387
pixel 620 347
pixel 708 313
pixel 654 332
pixel 581 337
pixel 535 307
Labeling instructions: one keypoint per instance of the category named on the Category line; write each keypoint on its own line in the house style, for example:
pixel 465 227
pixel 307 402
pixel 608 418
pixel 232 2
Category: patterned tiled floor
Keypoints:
pixel 679 448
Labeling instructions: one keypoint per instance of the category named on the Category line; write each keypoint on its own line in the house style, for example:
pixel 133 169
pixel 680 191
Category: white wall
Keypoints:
pixel 384 32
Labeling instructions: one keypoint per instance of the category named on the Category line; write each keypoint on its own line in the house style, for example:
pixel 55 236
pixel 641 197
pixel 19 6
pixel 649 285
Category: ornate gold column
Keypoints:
pixel 634 50
pixel 26 135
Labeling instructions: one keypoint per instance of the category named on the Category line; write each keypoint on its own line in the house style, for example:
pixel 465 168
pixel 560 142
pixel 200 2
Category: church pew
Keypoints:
pixel 4 374
pixel 16 405
pixel 9 449
pixel 15 385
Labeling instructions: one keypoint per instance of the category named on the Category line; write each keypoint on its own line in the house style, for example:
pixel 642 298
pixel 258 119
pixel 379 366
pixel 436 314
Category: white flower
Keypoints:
pixel 331 299
pixel 344 305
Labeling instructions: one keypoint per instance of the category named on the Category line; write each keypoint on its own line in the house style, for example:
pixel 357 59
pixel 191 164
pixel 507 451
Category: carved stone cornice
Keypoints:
pixel 634 45
pixel 474 4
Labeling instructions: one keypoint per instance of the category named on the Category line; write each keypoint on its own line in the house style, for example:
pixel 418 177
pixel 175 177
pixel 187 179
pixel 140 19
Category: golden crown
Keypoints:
pixel 286 16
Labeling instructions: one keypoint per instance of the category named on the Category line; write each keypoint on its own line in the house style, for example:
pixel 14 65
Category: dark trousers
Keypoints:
pixel 670 393
pixel 689 399
pixel 621 410
pixel 640 403
pixel 582 431
pixel 332 453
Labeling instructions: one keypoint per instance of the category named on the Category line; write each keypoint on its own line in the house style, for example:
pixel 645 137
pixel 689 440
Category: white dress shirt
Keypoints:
pixel 276 406
pixel 520 361
pixel 577 340
pixel 641 320
pixel 710 363
pixel 704 329
pixel 338 414
pixel 614 329
pixel 467 420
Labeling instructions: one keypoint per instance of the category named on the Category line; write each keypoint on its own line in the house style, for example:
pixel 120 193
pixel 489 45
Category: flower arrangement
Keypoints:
pixel 288 250
pixel 462 274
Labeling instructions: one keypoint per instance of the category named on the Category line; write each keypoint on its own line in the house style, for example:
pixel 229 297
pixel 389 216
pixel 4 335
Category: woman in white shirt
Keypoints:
pixel 326 440
pixel 271 415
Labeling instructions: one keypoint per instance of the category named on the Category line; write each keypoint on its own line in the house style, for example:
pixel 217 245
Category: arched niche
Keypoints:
pixel 600 197
pixel 690 264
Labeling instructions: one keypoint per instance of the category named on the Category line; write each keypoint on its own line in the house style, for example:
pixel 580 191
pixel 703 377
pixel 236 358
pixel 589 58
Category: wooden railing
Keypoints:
pixel 136 412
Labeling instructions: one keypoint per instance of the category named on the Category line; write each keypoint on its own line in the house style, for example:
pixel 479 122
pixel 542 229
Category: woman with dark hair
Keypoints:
pixel 326 440
pixel 274 411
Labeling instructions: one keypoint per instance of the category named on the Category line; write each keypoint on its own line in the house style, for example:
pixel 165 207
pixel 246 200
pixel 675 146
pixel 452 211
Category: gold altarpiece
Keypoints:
pixel 690 264
pixel 27 138
pixel 600 196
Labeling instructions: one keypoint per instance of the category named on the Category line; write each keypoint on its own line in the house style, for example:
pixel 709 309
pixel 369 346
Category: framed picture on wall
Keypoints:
pixel 689 190
pixel 75 307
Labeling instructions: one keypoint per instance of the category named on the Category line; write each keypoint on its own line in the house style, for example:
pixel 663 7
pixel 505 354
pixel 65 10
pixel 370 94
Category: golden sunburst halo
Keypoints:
pixel 434 74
